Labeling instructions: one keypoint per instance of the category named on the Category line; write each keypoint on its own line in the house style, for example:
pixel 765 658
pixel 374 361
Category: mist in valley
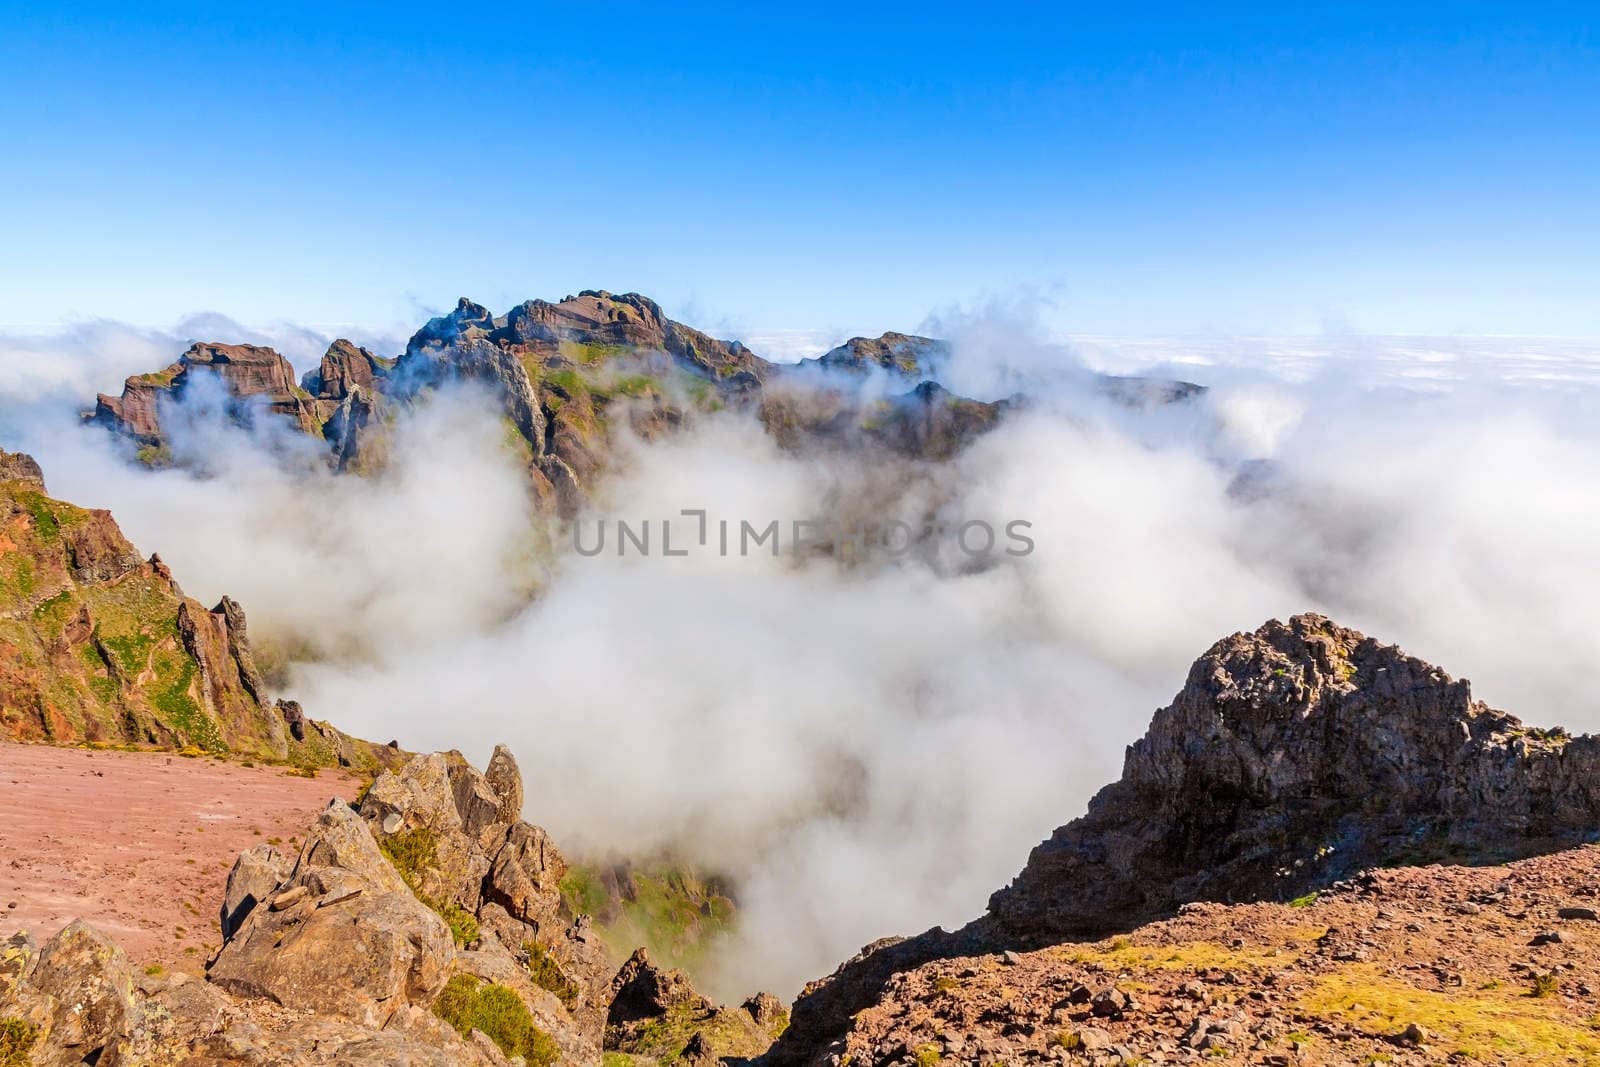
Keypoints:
pixel 866 748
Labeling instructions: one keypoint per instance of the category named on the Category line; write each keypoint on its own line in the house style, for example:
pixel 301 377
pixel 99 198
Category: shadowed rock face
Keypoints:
pixel 1293 757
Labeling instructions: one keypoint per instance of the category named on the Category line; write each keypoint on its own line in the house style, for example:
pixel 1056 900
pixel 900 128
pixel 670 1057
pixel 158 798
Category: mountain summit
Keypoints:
pixel 1294 758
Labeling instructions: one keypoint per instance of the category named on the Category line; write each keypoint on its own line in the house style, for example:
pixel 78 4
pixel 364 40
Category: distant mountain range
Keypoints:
pixel 568 374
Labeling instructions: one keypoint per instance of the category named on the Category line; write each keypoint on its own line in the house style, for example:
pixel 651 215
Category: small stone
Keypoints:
pixel 392 822
pixel 338 896
pixel 1109 1003
pixel 289 897
pixel 1548 937
pixel 1412 1035
pixel 1580 914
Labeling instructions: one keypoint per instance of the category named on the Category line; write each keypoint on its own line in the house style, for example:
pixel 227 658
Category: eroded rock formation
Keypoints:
pixel 98 644
pixel 1294 757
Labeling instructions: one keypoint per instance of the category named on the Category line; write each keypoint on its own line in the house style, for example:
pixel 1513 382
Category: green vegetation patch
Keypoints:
pixel 469 1004
pixel 1191 955
pixel 16 1041
pixel 52 614
pixel 583 892
pixel 414 852
pixel 1490 1025
pixel 730 1032
pixel 668 909
pixel 171 694
pixel 592 354
pixel 547 974
pixel 45 525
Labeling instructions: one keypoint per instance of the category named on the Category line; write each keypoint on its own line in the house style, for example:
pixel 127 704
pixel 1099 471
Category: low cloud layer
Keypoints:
pixel 872 749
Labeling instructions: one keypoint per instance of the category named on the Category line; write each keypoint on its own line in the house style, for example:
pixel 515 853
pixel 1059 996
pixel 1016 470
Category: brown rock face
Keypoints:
pixel 246 371
pixel 344 937
pixel 90 987
pixel 1294 757
pixel 641 990
pixel 468 847
pixel 345 368
pixel 504 777
pixel 906 355
pixel 97 644
pixel 331 959
pixel 254 879
pixel 21 467
pixel 249 370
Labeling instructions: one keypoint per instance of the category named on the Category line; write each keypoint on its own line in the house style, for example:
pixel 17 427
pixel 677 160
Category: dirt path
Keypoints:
pixel 139 843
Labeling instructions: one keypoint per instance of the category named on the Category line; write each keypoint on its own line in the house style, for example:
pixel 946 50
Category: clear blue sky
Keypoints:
pixel 1149 170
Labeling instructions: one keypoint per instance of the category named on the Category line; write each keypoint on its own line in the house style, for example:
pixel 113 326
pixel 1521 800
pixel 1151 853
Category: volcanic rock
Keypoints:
pixel 360 960
pixel 1294 758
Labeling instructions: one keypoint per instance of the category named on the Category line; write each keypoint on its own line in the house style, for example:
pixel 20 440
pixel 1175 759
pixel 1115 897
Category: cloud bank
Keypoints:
pixel 872 749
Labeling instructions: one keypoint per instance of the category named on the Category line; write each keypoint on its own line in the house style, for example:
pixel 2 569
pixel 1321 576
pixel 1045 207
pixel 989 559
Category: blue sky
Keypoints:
pixel 1149 170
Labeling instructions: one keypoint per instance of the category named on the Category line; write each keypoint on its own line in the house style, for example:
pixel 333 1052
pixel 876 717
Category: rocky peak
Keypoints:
pixel 246 371
pixel 345 369
pixel 903 354
pixel 466 318
pixel 21 467
pixel 1293 758
pixel 641 990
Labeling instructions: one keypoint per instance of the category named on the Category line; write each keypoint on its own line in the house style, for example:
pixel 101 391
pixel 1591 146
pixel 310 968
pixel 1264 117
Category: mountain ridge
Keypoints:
pixel 1295 756
pixel 100 645
pixel 568 375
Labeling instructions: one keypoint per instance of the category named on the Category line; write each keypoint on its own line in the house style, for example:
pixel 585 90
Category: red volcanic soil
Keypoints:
pixel 139 843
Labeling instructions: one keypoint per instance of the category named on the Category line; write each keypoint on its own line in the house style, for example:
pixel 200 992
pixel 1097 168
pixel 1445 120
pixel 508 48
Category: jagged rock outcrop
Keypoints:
pixel 21 467
pixel 246 372
pixel 905 355
pixel 98 644
pixel 641 990
pixel 344 936
pixel 1294 757
pixel 459 836
pixel 658 1013
pixel 78 992
pixel 345 369
pixel 564 372
pixel 254 878
pixel 351 952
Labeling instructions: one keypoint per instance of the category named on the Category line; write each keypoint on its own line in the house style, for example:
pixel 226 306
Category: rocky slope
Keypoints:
pixel 1294 757
pixel 570 375
pixel 423 926
pixel 1418 965
pixel 1233 898
pixel 100 645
